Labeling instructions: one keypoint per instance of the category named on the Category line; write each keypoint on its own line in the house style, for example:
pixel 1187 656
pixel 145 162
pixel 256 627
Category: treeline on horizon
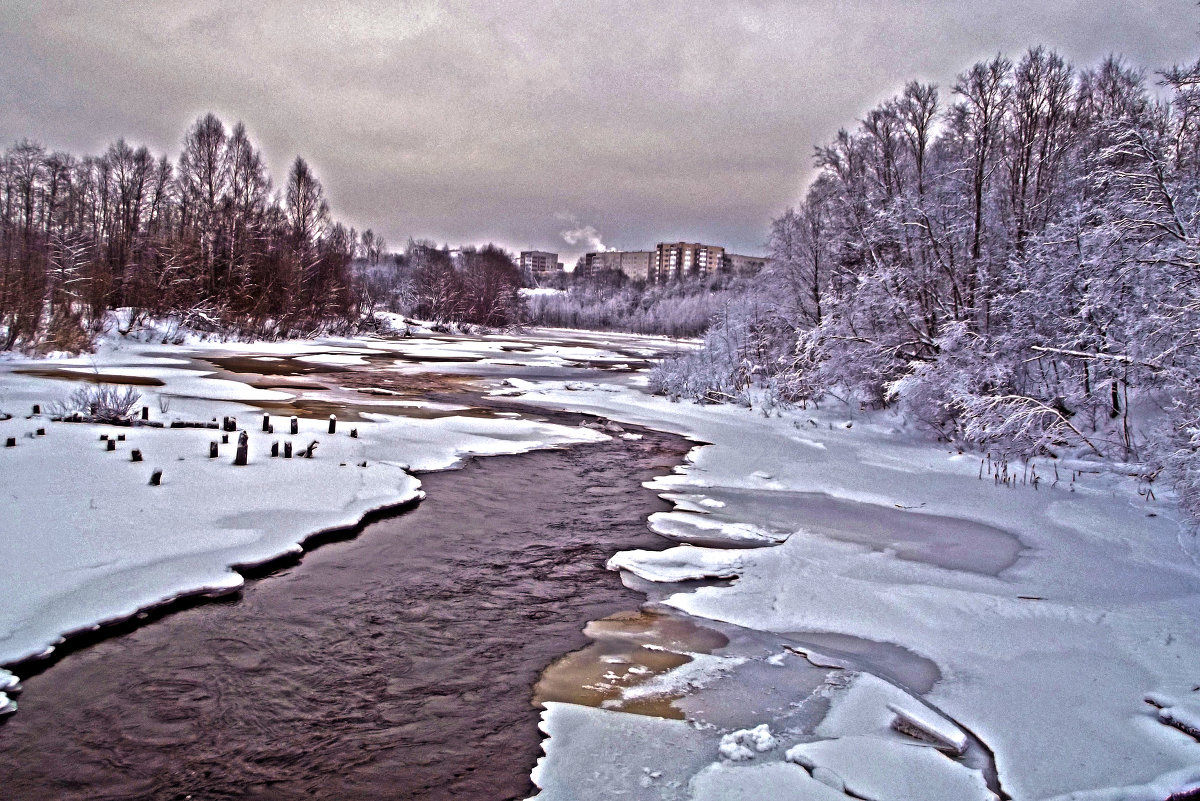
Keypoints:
pixel 206 238
pixel 609 301
pixel 1014 263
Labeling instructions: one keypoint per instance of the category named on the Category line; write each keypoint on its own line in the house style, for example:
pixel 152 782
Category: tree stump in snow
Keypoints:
pixel 308 452
pixel 354 433
pixel 120 437
pixel 295 425
pixel 287 450
pixel 212 449
pixel 11 442
pixel 156 478
pixel 274 449
pixel 135 456
pixel 41 432
pixel 104 437
pixel 224 439
pixel 266 423
pixel 112 445
pixel 145 412
pixel 332 423
pixel 243 450
pixel 37 409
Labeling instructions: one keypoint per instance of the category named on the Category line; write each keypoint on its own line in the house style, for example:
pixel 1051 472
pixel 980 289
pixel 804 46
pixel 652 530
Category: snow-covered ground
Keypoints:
pixel 85 540
pixel 1056 652
pixel 893 624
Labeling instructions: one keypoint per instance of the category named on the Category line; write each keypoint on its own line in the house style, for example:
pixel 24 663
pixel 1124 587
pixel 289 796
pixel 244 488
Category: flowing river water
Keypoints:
pixel 409 657
pixel 395 664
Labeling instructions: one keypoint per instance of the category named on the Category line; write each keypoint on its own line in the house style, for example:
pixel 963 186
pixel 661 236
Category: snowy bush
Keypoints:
pixel 103 402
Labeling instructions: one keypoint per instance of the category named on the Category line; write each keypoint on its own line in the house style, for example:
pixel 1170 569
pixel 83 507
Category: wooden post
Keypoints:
pixel 11 442
pixel 287 450
pixel 332 423
pixel 295 425
pixel 243 450
pixel 156 478
pixel 145 412
pixel 266 423
pixel 274 449
pixel 212 449
pixel 135 456
pixel 112 444
pixel 37 409
pixel 354 433
pixel 224 439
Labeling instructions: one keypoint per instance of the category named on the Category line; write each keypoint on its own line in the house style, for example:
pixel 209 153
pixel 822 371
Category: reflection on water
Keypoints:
pixel 627 649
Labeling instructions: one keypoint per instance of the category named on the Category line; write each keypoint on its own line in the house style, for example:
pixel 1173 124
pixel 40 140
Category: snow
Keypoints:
pixel 745 744
pixel 775 780
pixel 874 768
pixel 85 541
pixel 1051 615
pixel 1045 655
pixel 683 563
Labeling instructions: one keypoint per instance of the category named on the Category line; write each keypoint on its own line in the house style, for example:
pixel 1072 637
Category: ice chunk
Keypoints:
pixel 885 769
pixel 924 723
pixel 683 563
pixel 725 781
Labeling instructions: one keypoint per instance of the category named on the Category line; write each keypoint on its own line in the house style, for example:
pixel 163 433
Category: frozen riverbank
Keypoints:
pixel 397 664
pixel 1081 601
pixel 88 542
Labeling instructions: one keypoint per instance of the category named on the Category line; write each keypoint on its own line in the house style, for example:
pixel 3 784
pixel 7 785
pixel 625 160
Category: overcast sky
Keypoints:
pixel 519 121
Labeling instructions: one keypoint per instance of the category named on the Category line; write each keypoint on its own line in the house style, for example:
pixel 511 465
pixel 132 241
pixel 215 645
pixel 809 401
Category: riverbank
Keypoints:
pixel 1064 635
pixel 397 664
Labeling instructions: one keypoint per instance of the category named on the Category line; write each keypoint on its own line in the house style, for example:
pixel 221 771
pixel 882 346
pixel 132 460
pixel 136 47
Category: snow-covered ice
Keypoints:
pixel 1086 600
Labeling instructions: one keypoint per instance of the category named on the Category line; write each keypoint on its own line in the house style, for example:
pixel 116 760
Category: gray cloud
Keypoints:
pixel 469 121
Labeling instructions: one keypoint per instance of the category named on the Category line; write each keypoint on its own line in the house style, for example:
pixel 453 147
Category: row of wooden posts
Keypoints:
pixel 228 424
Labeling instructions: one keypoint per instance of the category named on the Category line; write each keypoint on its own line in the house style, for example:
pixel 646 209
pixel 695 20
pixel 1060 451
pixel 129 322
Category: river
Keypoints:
pixel 398 663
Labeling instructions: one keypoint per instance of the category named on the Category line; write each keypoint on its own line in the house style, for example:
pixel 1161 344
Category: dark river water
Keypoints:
pixel 397 664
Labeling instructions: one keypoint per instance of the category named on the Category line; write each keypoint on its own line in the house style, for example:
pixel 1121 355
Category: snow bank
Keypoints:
pixel 1046 660
pixel 86 541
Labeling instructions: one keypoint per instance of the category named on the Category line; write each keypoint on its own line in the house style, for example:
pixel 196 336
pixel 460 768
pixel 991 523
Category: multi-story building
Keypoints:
pixel 678 260
pixel 635 264
pixel 537 264
pixel 670 261
pixel 743 265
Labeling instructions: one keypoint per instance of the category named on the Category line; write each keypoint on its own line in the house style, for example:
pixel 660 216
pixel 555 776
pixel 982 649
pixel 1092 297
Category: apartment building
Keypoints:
pixel 635 264
pixel 743 265
pixel 675 261
pixel 536 264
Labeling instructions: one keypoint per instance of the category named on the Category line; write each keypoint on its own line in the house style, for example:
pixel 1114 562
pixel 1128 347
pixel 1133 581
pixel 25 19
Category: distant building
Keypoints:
pixel 538 264
pixel 680 260
pixel 743 265
pixel 634 264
